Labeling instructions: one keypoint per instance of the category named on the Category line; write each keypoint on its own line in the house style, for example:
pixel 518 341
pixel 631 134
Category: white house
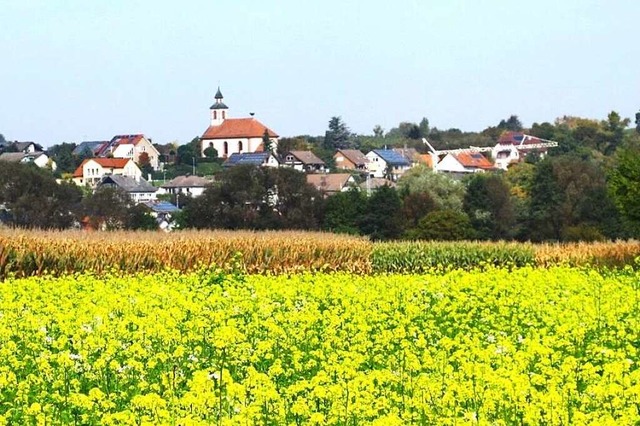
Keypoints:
pixel 139 190
pixel 40 159
pixel 387 163
pixel 193 186
pixel 304 161
pixel 234 135
pixel 134 146
pixel 92 170
pixel 464 162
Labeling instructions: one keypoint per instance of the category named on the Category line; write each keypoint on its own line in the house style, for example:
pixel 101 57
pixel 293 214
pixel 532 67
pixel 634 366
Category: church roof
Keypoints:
pixel 219 94
pixel 219 105
pixel 238 128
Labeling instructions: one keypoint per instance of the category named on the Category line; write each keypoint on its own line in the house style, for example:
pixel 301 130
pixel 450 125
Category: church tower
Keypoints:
pixel 218 110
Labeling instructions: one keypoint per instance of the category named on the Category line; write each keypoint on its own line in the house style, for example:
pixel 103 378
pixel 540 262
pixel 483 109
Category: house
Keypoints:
pixel 304 161
pixel 387 163
pixel 139 189
pixel 26 147
pixel 253 158
pixel 40 159
pixel 133 147
pixel 464 162
pixel 90 148
pixel 92 170
pixel 163 212
pixel 193 186
pixel 350 159
pixel 331 183
pixel 234 135
pixel 410 154
pixel 513 147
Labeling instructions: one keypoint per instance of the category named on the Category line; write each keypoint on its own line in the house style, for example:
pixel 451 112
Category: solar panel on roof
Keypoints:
pixel 476 155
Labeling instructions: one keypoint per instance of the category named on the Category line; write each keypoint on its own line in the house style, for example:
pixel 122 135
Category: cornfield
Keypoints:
pixel 28 253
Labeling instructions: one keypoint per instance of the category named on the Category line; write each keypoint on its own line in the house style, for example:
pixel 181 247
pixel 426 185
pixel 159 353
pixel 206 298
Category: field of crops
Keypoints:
pixel 31 253
pixel 532 346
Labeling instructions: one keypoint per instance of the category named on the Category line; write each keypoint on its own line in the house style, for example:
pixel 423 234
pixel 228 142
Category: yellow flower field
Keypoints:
pixel 531 346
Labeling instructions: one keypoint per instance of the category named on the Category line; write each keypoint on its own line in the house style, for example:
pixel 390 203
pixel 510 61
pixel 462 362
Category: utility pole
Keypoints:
pixel 193 160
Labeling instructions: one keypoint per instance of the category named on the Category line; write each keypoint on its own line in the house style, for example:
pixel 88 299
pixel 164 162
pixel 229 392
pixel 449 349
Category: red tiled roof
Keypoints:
pixel 110 163
pixel 474 159
pixel 238 128
pixel 126 139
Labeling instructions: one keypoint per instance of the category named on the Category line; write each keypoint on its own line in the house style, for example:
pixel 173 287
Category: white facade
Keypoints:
pixel 377 167
pixel 450 164
pixel 226 147
pixel 134 151
pixel 93 171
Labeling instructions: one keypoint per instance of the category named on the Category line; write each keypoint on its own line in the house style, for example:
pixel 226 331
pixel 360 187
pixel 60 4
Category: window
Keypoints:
pixel 239 146
pixel 224 115
pixel 226 148
pixel 215 114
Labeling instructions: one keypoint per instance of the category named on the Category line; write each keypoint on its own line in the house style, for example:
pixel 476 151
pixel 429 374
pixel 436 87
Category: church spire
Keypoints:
pixel 218 109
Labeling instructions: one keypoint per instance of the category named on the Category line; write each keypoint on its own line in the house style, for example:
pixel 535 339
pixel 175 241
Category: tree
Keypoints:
pixel 250 197
pixel 378 131
pixel 338 135
pixel 62 154
pixel 3 141
pixel 34 199
pixel 144 162
pixel 139 219
pixel 415 206
pixel 443 225
pixel 343 211
pixel 186 154
pixel 210 152
pixel 637 122
pixel 624 185
pixel 267 143
pixel 383 217
pixel 424 127
pixel 512 123
pixel 488 204
pixel 107 208
pixel 446 192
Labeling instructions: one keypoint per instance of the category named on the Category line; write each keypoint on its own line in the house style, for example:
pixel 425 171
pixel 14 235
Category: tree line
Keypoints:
pixel 588 188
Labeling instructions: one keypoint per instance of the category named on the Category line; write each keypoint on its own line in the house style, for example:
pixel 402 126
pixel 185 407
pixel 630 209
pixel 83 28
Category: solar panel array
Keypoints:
pixel 392 157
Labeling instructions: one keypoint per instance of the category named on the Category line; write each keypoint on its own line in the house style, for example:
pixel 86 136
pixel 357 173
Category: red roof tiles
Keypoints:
pixel 474 160
pixel 238 128
pixel 110 163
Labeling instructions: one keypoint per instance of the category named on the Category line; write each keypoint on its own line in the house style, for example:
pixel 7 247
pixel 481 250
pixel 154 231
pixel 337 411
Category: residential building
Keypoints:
pixel 133 147
pixel 234 135
pixel 464 162
pixel 387 163
pixel 304 161
pixel 331 183
pixel 139 190
pixel 40 159
pixel 266 159
pixel 192 186
pixel 90 148
pixel 163 212
pixel 350 159
pixel 92 170
pixel 513 147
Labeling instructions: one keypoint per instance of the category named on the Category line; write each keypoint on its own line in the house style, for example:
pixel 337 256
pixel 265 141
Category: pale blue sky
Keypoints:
pixel 78 70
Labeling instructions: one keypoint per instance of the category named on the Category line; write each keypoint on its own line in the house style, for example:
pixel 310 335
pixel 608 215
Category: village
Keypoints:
pixel 122 161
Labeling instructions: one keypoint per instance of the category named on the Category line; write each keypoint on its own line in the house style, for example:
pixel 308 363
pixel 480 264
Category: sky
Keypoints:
pixel 77 70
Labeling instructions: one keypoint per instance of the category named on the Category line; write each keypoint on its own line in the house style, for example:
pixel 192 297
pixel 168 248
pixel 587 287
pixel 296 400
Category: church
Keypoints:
pixel 234 135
